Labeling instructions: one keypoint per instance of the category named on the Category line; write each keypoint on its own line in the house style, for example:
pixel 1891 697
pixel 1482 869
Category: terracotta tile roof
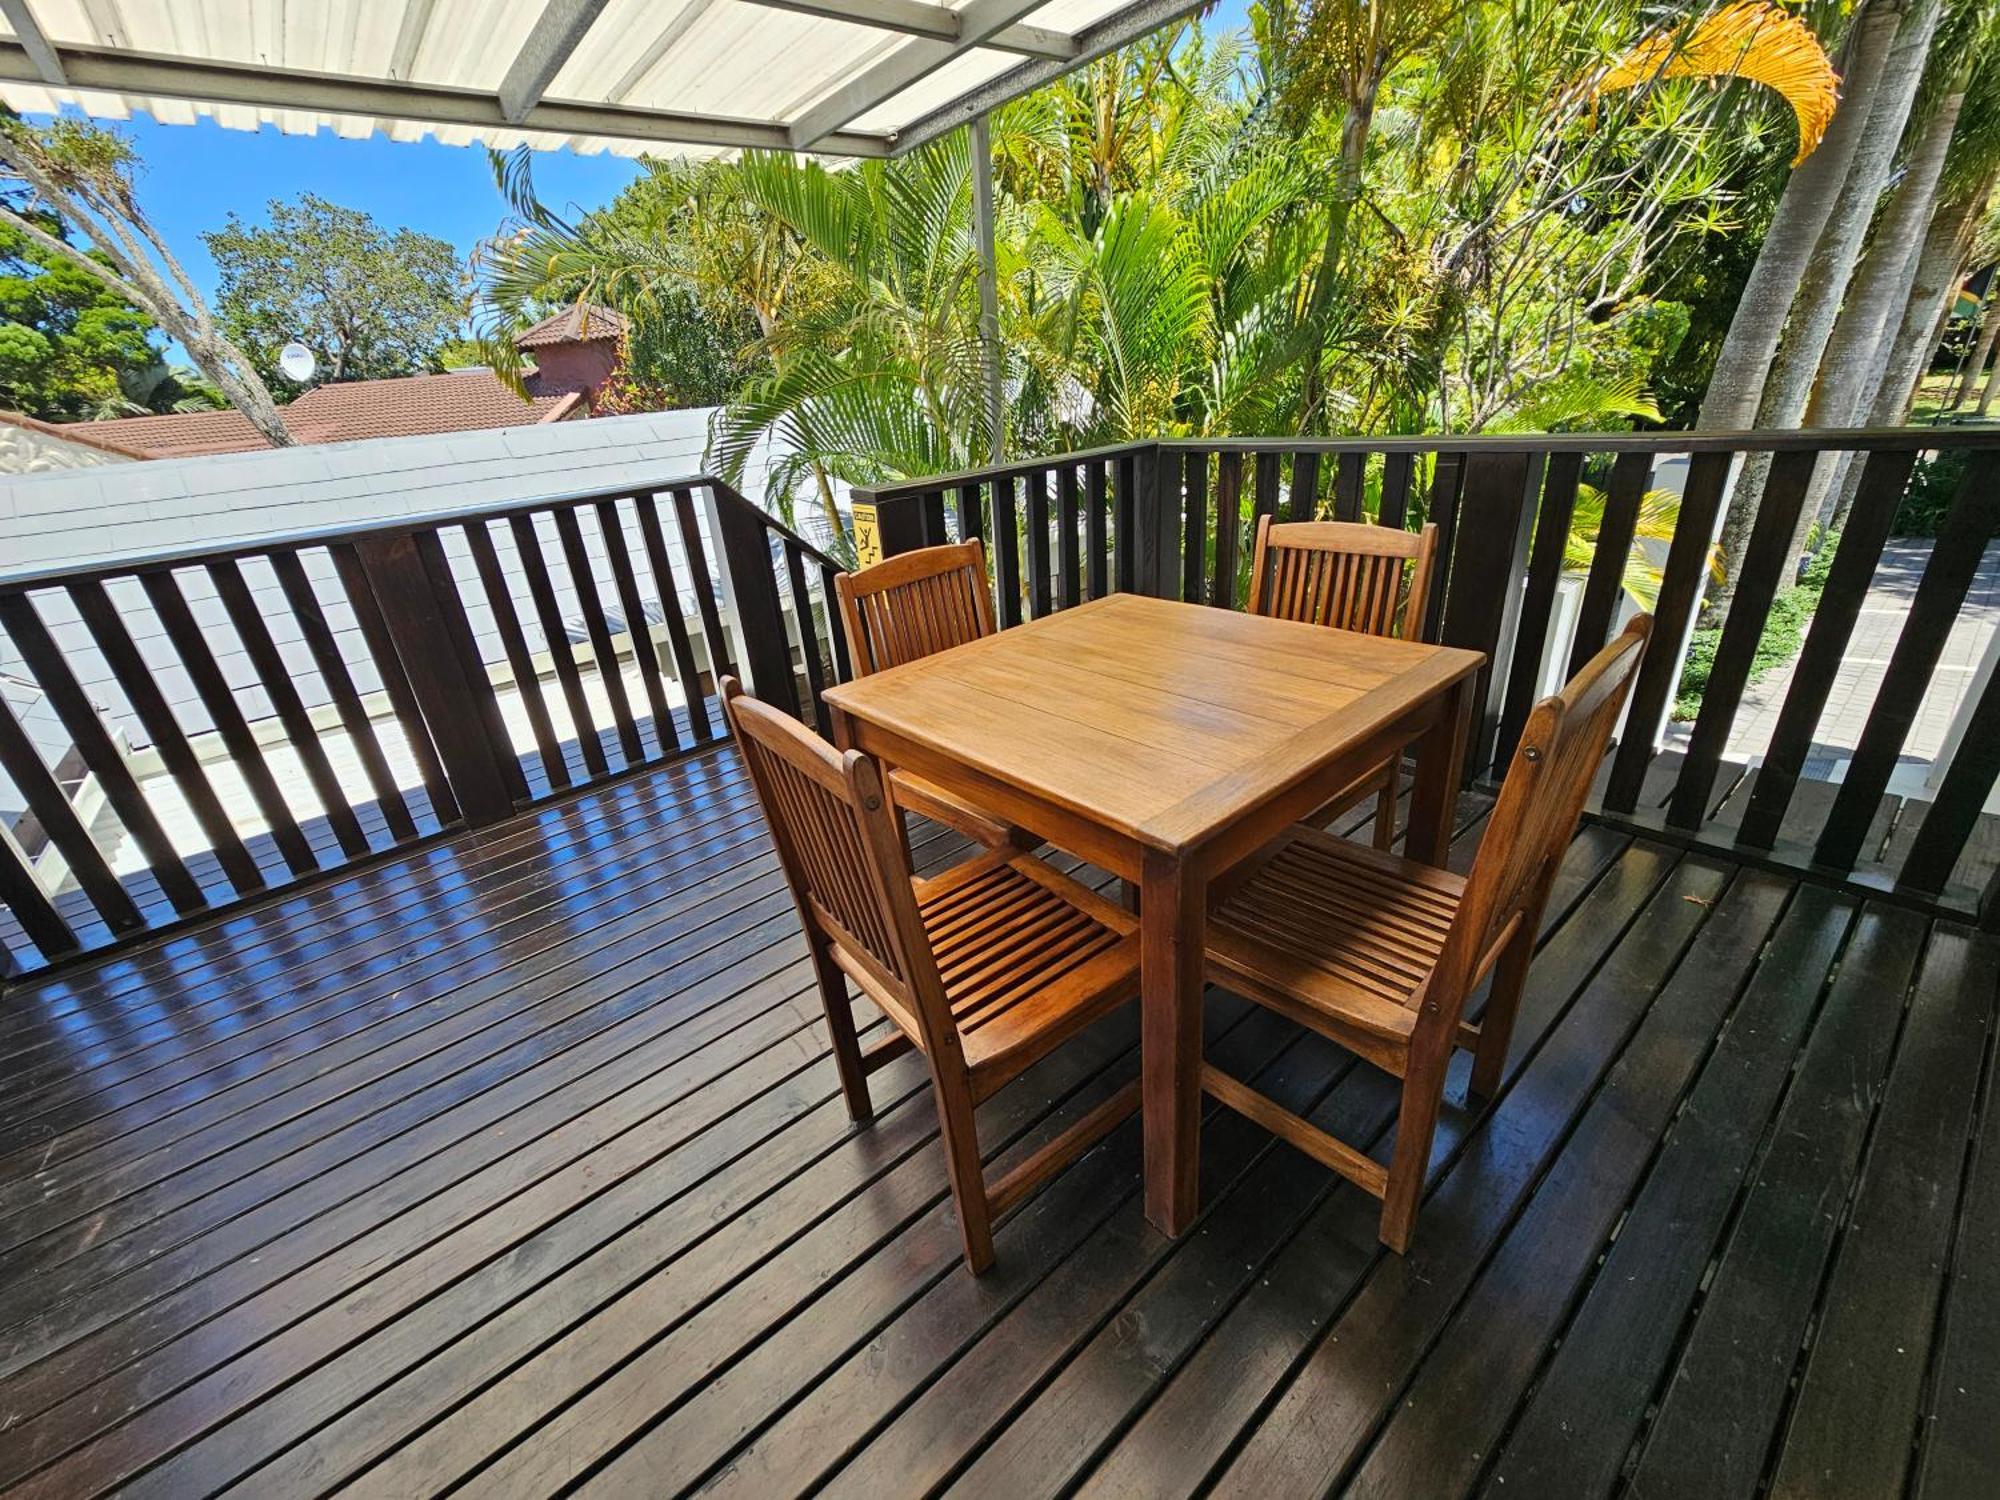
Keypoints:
pixel 462 401
pixel 574 325
pixel 90 434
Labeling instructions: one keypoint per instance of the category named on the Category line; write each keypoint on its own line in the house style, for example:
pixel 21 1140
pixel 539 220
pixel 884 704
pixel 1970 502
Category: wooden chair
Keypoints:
pixel 1381 954
pixel 983 969
pixel 1350 577
pixel 913 605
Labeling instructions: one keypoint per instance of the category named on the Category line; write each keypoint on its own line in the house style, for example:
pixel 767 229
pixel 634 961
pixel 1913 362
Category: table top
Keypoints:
pixel 1160 721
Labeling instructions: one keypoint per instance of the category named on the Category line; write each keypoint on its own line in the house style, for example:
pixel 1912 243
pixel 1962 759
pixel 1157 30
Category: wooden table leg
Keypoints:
pixel 1440 767
pixel 1171 918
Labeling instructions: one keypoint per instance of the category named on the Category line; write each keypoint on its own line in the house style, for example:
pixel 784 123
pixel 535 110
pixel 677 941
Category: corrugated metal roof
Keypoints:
pixel 672 77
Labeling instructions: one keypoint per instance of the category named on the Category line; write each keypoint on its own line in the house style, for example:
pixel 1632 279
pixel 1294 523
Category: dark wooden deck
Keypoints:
pixel 517 1165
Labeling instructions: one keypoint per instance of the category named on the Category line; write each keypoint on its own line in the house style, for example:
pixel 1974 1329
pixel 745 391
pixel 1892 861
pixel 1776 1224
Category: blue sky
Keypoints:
pixel 195 176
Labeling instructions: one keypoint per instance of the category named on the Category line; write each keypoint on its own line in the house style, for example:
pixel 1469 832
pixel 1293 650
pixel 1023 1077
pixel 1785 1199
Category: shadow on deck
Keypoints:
pixel 518 1163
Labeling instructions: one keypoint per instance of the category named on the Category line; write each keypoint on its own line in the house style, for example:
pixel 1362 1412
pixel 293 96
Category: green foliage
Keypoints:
pixel 368 302
pixel 1933 483
pixel 70 347
pixel 1399 217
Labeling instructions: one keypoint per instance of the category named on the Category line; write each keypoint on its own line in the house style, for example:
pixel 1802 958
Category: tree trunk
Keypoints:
pixel 1817 306
pixel 1982 348
pixel 1875 326
pixel 1736 386
pixel 1939 264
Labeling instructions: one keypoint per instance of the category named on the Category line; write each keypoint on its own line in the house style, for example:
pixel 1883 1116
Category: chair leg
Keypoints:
pixel 1385 810
pixel 1416 1125
pixel 846 1041
pixel 1503 1001
pixel 968 1177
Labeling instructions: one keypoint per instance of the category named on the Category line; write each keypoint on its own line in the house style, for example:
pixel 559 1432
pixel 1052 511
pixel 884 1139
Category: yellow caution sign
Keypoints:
pixel 867 537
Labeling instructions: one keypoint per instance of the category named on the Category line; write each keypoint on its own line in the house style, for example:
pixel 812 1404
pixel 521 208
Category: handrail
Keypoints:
pixel 406 647
pixel 181 557
pixel 1805 439
pixel 1175 517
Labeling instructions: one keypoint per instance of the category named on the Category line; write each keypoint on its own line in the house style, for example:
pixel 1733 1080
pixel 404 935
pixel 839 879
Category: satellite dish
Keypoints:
pixel 297 361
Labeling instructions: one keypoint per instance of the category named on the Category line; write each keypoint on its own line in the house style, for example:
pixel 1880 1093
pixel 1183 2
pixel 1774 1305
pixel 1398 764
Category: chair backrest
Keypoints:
pixel 841 853
pixel 915 604
pixel 1343 574
pixel 1541 801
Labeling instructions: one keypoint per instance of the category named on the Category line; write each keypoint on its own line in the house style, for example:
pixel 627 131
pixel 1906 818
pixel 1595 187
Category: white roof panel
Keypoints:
pixel 676 77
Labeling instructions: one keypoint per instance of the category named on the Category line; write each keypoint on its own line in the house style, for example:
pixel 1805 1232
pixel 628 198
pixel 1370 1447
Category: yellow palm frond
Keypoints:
pixel 1750 39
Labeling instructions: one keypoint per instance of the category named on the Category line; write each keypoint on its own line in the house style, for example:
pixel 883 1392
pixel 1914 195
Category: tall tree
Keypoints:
pixel 369 302
pixel 71 347
pixel 82 175
pixel 1736 387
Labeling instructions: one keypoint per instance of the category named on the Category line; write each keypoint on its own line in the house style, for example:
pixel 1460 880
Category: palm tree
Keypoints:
pixel 1736 386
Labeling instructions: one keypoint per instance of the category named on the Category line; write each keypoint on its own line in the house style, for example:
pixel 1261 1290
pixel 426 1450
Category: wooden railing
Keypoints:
pixel 1175 518
pixel 192 731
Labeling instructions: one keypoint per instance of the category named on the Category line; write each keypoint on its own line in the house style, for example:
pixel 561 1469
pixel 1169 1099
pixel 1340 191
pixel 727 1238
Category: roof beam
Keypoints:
pixel 1119 29
pixel 939 22
pixel 116 71
pixel 35 42
pixel 910 63
pixel 557 31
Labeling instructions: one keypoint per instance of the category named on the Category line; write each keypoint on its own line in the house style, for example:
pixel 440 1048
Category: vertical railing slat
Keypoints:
pixel 514 642
pixel 30 904
pixel 46 799
pixel 1397 469
pixel 163 591
pixel 667 591
pixel 1441 509
pixel 100 754
pixel 1349 473
pixel 583 580
pixel 109 633
pixel 645 654
pixel 562 654
pixel 701 580
pixel 1545 564
pixel 1006 550
pixel 332 668
pixel 1069 559
pixel 1604 586
pixel 1954 562
pixel 1228 528
pixel 1758 580
pixel 1489 560
pixel 1194 539
pixel 1304 501
pixel 1096 546
pixel 1883 481
pixel 802 611
pixel 1041 600
pixel 1673 616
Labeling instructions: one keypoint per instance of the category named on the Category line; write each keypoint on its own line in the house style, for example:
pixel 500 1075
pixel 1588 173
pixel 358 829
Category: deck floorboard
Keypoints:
pixel 517 1165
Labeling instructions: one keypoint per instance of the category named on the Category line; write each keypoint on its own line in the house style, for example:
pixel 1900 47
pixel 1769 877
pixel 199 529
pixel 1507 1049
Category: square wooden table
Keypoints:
pixel 1165 743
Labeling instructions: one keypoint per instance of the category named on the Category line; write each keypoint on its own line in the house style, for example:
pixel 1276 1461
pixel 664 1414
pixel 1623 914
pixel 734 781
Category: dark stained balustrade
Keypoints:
pixel 506 1155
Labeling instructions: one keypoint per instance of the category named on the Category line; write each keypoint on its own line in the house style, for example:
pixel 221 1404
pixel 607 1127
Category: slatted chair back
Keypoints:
pixel 843 856
pixel 914 605
pixel 1540 802
pixel 1343 574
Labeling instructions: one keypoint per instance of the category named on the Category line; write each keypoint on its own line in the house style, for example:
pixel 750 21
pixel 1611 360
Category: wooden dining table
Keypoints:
pixel 1167 743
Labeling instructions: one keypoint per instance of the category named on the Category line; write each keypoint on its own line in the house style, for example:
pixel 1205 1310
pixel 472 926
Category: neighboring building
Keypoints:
pixel 573 354
pixel 31 446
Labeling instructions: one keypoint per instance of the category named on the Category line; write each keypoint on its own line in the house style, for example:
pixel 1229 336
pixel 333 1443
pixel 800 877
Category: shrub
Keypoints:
pixel 1933 482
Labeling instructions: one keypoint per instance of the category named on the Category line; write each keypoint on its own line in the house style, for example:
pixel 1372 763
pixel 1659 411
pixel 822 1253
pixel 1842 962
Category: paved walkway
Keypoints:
pixel 1860 675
